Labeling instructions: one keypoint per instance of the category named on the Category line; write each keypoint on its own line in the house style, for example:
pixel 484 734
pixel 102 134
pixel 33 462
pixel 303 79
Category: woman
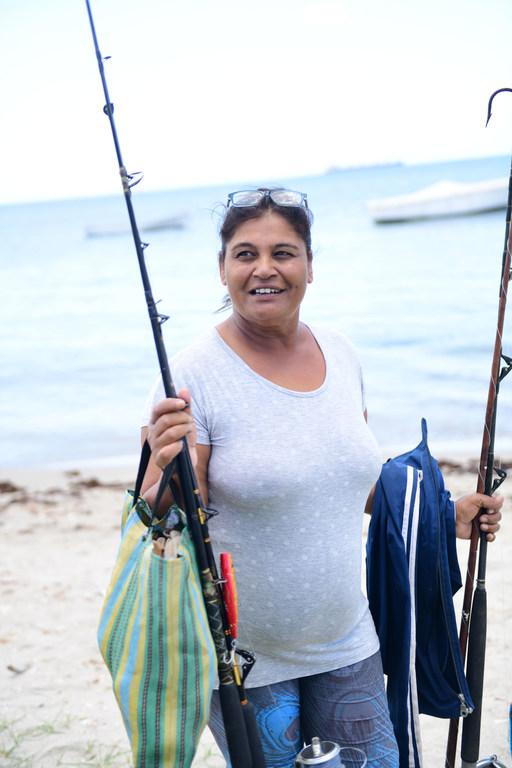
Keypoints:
pixel 283 453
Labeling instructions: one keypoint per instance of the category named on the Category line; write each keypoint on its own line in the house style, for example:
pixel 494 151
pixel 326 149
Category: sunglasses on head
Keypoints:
pixel 285 197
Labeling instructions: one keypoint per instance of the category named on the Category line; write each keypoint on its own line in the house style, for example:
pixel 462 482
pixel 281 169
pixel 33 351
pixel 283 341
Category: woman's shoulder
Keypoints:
pixel 338 350
pixel 333 340
pixel 189 367
pixel 202 347
pixel 205 360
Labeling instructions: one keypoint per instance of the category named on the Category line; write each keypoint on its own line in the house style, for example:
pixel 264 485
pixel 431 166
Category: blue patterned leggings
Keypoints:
pixel 347 706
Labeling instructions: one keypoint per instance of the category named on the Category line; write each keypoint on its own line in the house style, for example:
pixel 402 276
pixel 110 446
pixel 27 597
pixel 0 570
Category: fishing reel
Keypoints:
pixel 490 762
pixel 329 755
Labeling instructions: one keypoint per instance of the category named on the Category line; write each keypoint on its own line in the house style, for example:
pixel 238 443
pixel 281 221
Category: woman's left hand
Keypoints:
pixel 468 507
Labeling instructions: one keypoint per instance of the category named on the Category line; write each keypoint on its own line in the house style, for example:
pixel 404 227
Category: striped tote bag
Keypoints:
pixel 155 640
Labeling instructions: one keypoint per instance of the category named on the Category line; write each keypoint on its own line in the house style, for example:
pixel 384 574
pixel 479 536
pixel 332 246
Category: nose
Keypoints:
pixel 264 266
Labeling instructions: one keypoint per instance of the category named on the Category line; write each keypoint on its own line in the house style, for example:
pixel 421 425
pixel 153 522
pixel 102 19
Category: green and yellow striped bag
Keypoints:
pixel 155 640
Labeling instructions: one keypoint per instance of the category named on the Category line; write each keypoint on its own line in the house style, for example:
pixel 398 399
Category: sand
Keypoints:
pixel 59 534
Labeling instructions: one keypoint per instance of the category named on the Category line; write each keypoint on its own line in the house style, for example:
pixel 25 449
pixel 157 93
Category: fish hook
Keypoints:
pixel 500 90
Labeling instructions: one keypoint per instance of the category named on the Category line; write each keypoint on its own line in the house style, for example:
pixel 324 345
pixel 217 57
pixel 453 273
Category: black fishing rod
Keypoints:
pixel 473 628
pixel 242 735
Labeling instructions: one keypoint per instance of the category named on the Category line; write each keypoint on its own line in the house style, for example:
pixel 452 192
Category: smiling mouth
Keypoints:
pixel 264 291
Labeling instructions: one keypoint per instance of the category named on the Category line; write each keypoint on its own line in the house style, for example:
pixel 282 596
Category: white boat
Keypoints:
pixel 174 222
pixel 445 198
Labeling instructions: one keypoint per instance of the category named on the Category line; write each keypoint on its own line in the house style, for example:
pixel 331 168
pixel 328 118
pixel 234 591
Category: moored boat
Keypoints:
pixel 173 222
pixel 445 198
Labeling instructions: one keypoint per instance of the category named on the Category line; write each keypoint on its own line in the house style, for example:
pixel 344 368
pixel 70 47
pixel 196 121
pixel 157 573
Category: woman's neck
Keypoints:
pixel 289 357
pixel 262 338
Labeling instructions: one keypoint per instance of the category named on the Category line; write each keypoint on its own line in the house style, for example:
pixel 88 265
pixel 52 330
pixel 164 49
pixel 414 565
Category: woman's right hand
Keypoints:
pixel 171 421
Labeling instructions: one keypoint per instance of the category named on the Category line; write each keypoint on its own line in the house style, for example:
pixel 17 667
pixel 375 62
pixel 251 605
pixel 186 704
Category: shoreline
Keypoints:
pixel 60 530
pixel 123 464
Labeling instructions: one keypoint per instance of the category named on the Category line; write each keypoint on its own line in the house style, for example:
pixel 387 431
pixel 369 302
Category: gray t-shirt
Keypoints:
pixel 289 475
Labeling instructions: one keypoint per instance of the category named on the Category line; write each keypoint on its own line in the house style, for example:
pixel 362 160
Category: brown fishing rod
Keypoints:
pixel 238 715
pixel 473 627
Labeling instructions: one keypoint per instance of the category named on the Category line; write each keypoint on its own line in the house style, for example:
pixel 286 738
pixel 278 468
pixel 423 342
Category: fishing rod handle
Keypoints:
pixel 253 735
pixel 234 727
pixel 471 724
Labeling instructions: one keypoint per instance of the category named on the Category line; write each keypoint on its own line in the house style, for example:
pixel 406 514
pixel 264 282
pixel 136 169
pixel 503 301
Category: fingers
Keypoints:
pixel 171 405
pixel 490 514
pixel 171 421
pixel 490 502
pixel 168 413
pixel 490 518
pixel 488 510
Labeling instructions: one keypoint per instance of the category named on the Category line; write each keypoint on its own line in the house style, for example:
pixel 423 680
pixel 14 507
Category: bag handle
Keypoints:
pixel 143 465
pixel 165 482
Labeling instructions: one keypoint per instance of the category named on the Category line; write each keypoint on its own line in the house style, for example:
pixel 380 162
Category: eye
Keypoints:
pixel 282 254
pixel 245 255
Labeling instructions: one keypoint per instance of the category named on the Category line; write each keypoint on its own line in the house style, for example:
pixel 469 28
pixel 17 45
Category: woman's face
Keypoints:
pixel 266 269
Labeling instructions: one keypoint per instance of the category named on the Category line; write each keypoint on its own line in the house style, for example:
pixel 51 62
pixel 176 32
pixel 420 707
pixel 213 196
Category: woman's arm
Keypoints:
pixel 466 509
pixel 369 502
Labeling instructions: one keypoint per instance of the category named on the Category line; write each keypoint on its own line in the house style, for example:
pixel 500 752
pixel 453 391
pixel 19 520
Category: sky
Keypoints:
pixel 209 92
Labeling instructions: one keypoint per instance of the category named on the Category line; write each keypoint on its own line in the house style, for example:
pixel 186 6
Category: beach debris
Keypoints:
pixel 7 487
pixel 93 482
pixel 470 465
pixel 18 670
pixel 75 486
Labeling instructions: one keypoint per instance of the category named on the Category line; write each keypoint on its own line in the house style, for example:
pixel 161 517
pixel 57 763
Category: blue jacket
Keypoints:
pixel 412 575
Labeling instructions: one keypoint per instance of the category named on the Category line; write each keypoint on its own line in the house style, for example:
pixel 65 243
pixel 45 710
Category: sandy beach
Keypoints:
pixel 59 538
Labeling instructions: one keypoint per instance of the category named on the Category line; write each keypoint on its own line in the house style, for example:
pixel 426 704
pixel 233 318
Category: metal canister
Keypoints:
pixel 325 753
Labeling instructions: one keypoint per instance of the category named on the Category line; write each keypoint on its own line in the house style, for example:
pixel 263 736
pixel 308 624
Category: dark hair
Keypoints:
pixel 299 217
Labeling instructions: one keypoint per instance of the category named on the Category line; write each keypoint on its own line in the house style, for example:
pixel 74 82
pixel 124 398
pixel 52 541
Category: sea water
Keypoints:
pixel 419 300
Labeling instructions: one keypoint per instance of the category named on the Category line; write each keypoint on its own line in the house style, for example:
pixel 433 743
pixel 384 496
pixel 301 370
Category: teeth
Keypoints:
pixel 266 290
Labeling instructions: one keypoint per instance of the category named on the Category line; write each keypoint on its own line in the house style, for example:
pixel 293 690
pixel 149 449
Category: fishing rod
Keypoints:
pixel 242 735
pixel 473 628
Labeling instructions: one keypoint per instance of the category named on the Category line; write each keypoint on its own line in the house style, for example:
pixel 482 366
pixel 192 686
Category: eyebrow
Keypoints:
pixel 276 245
